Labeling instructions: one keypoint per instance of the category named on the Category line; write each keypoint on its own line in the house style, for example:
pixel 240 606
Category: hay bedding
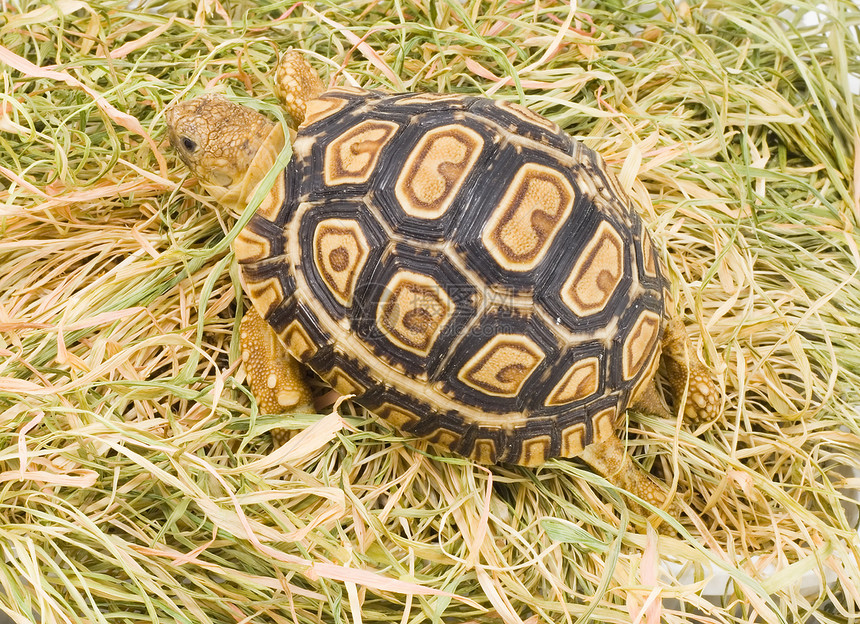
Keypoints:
pixel 136 482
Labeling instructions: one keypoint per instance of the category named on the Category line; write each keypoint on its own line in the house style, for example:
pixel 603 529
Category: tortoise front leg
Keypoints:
pixel 296 84
pixel 275 376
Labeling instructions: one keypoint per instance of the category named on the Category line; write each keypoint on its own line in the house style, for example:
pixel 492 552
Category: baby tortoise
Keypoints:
pixel 459 265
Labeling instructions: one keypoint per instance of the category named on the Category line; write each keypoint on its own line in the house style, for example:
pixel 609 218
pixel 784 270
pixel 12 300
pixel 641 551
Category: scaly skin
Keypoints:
pixel 686 374
pixel 275 376
pixel 610 459
pixel 296 84
pixel 216 138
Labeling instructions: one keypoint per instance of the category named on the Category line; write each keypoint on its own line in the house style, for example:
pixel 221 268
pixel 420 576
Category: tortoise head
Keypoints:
pixel 218 140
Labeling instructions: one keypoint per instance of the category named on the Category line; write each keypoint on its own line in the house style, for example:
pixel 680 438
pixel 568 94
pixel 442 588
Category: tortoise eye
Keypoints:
pixel 188 144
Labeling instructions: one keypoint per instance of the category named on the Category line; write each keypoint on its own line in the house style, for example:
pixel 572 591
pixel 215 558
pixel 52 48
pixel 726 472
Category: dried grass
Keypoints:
pixel 135 480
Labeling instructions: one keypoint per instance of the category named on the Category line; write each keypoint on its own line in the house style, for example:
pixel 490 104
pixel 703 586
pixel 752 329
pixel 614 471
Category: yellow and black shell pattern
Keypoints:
pixel 463 268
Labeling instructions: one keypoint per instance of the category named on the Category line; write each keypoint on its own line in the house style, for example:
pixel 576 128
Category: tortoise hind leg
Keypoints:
pixel 610 459
pixel 682 366
pixel 275 376
pixel 296 84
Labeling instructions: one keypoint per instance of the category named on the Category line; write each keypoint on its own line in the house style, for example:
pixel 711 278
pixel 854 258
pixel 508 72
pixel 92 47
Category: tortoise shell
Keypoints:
pixel 463 268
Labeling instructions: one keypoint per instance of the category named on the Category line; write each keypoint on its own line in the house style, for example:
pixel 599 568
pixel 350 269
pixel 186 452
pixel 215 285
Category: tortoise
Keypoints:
pixel 458 264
